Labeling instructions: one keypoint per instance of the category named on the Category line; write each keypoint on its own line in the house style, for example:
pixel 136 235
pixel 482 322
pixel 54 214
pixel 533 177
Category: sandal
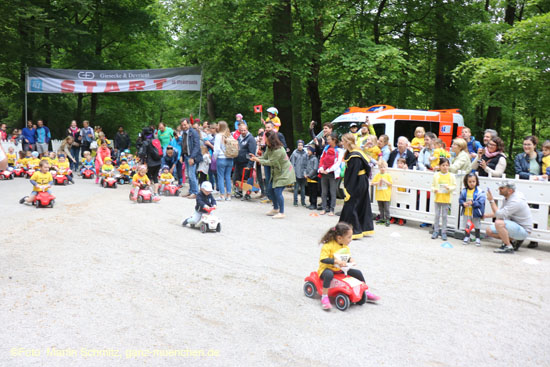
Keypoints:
pixel 322 212
pixel 331 214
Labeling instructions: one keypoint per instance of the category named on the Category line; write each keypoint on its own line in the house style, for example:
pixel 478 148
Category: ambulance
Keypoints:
pixel 394 122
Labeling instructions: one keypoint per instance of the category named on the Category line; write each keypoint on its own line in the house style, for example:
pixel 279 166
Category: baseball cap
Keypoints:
pixel 353 124
pixel 508 184
pixel 206 185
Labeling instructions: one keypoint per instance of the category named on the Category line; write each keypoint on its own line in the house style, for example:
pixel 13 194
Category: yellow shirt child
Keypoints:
pixel 382 192
pixel 107 169
pixel 166 178
pixel 33 163
pixel 41 179
pixel 330 250
pixel 545 163
pixel 468 211
pixel 374 152
pixel 417 142
pixel 275 121
pixel 11 159
pixel 124 169
pixel 63 167
pixel 139 179
pixel 444 184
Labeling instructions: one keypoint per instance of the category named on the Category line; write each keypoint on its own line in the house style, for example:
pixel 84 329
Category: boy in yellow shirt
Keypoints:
pixel 443 184
pixel 124 169
pixel 107 169
pixel 41 180
pixel 33 161
pixel 382 185
pixel 140 180
pixel 371 148
pixel 272 113
pixel 546 159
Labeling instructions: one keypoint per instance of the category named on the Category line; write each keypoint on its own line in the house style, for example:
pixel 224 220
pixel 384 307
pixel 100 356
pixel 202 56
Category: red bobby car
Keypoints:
pixel 145 195
pixel 19 172
pixel 60 178
pixel 88 173
pixel 171 190
pixel 108 182
pixel 6 174
pixel 42 199
pixel 344 289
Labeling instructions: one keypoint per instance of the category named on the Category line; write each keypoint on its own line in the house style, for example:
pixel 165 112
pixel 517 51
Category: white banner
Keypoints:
pixel 42 80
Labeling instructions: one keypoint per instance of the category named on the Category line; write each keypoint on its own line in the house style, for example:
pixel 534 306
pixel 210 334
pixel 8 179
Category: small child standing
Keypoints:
pixel 298 159
pixel 418 141
pixel 11 157
pixel 335 254
pixel 204 165
pixel 472 201
pixel 443 184
pixel 311 177
pixel 204 200
pixel 382 183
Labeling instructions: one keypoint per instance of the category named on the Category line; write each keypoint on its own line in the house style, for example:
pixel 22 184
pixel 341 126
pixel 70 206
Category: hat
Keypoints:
pixel 353 124
pixel 508 184
pixel 35 154
pixel 300 141
pixel 206 185
pixel 124 159
pixel 107 159
pixel 238 116
pixel 312 149
pixel 165 167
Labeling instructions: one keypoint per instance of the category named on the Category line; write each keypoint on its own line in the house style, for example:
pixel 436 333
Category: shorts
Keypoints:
pixel 515 231
pixel 33 193
pixel 42 148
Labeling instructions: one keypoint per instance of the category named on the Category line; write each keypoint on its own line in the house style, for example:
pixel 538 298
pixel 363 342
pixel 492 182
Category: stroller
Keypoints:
pixel 247 184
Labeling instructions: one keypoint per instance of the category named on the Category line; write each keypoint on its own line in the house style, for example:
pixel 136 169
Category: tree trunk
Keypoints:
pixel 534 126
pixel 210 107
pixel 313 80
pixel 98 48
pixel 376 27
pixel 493 115
pixel 282 86
pixel 79 98
pixel 297 102
pixel 510 12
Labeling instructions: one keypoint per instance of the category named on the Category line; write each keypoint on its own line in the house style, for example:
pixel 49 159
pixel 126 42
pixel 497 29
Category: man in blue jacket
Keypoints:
pixel 27 135
pixel 191 156
pixel 42 136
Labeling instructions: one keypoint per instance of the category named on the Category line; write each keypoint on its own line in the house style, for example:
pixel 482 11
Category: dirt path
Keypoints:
pixel 102 281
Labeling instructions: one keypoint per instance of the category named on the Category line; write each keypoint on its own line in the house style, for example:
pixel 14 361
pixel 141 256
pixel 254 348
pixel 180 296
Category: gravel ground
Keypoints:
pixel 102 281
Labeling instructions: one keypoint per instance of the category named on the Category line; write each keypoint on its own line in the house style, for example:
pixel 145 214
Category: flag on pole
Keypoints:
pixel 258 109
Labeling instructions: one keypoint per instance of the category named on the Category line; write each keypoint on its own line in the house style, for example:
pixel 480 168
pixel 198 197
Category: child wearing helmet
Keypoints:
pixel 63 167
pixel 166 178
pixel 124 169
pixel 204 200
pixel 107 169
pixel 273 118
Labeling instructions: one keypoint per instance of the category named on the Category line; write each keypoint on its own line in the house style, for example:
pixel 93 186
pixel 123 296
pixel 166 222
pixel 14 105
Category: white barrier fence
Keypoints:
pixel 18 147
pixel 414 203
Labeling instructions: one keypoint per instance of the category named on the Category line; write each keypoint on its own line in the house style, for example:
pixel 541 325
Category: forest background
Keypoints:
pixel 310 58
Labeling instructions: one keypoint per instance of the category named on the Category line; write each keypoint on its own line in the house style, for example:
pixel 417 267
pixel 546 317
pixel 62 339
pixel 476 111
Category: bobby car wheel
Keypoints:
pixel 203 228
pixel 342 302
pixel 309 289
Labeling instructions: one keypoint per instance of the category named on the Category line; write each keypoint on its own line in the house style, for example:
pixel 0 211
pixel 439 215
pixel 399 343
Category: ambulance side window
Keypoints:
pixel 379 129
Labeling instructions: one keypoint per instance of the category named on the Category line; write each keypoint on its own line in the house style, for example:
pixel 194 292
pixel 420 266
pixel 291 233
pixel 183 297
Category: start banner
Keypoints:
pixel 41 80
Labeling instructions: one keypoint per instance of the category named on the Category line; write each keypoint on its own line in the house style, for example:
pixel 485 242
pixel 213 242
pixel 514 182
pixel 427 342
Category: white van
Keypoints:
pixel 394 122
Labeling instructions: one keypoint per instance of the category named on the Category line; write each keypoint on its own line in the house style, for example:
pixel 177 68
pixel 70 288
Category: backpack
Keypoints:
pixel 231 147
pixel 156 144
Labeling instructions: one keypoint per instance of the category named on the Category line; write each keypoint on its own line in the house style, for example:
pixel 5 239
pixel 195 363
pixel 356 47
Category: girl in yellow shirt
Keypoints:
pixel 443 184
pixel 382 182
pixel 335 254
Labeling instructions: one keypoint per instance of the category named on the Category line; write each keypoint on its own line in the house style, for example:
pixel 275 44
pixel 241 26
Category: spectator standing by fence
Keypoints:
pixel 529 163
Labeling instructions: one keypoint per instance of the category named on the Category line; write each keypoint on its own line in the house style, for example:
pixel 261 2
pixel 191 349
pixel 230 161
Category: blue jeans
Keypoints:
pixel 75 151
pixel 300 185
pixel 224 166
pixel 279 201
pixel 268 186
pixel 192 174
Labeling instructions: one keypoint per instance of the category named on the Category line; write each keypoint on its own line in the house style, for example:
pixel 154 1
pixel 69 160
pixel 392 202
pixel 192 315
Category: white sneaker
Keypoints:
pixel 466 240
pixel 478 242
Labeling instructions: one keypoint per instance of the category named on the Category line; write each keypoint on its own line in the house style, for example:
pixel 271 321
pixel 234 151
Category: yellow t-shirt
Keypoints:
pixel 23 162
pixel 166 178
pixel 11 159
pixel 374 152
pixel 443 195
pixel 41 179
pixel 416 142
pixel 382 192
pixel 124 169
pixel 107 168
pixel 33 163
pixel 468 211
pixel 330 250
pixel 63 167
pixel 52 162
pixel 545 163
pixel 144 180
pixel 275 121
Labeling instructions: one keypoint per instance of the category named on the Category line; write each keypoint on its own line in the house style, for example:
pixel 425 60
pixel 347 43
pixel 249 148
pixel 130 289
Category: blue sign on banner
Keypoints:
pixel 445 129
pixel 36 85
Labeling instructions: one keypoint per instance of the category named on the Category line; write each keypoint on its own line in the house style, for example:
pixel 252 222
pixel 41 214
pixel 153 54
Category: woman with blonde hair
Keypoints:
pixel 357 210
pixel 65 147
pixel 461 161
pixel 223 164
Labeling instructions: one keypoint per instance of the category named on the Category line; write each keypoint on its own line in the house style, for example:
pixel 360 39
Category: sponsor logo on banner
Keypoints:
pixel 85 75
pixel 36 85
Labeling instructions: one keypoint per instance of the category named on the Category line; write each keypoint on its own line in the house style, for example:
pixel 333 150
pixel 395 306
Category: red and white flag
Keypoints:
pixel 258 109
